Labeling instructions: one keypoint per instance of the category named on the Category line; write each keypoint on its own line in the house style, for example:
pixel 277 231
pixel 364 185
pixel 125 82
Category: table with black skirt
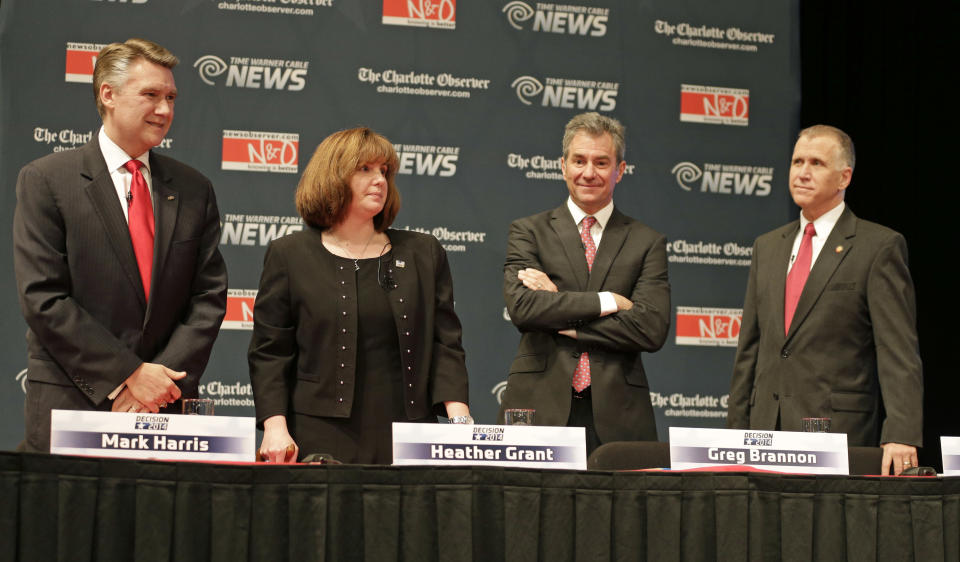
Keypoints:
pixel 72 508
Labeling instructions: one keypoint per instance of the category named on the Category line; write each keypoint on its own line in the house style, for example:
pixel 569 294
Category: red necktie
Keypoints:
pixel 798 276
pixel 140 222
pixel 581 376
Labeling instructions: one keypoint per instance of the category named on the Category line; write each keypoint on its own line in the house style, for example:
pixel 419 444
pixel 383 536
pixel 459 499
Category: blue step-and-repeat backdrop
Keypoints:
pixel 474 94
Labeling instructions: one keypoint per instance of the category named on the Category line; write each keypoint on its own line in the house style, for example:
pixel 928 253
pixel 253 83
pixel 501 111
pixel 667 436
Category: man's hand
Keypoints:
pixel 152 385
pixel 125 402
pixel 536 280
pixel 623 303
pixel 901 456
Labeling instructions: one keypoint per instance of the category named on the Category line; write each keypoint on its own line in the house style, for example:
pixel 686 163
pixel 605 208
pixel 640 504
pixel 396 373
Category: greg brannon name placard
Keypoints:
pixel 152 436
pixel 783 451
pixel 491 445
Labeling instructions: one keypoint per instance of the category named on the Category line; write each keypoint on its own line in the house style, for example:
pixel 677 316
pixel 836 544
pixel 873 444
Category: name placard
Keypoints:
pixel 950 452
pixel 783 451
pixel 152 436
pixel 489 445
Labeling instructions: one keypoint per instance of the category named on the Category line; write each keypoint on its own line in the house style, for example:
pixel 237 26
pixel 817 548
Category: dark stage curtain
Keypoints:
pixel 878 74
pixel 60 508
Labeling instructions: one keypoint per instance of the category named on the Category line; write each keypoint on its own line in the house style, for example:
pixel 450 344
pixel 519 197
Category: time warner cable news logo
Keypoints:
pixel 567 93
pixel 255 73
pixel 727 179
pixel 427 160
pixel 434 14
pixel 558 18
pixel 713 105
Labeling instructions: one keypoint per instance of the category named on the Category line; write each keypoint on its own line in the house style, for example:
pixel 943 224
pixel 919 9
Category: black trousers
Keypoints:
pixel 581 415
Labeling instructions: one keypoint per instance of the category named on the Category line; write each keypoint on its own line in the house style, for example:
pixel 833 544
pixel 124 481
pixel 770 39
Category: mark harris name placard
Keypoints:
pixel 152 436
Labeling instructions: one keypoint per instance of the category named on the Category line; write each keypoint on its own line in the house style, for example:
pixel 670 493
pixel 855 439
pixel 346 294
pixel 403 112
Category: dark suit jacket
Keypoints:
pixel 80 289
pixel 631 261
pixel 851 354
pixel 303 350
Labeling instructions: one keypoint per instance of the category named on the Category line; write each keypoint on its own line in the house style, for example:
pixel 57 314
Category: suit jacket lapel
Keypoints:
pixel 827 262
pixel 781 261
pixel 614 235
pixel 166 204
pixel 562 223
pixel 103 195
pixel 403 269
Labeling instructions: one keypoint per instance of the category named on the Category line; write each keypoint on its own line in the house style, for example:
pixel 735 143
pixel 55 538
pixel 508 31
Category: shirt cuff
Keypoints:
pixel 116 392
pixel 608 304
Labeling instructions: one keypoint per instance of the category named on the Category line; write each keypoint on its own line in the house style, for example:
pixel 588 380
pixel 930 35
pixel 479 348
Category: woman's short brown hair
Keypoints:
pixel 324 194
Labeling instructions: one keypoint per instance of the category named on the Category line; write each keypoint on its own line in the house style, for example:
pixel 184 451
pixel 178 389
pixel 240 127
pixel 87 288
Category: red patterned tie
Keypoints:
pixel 140 222
pixel 581 376
pixel 798 276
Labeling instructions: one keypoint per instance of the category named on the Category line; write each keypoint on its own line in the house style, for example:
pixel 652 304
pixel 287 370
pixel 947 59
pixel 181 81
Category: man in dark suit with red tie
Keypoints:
pixel 587 287
pixel 115 253
pixel 835 336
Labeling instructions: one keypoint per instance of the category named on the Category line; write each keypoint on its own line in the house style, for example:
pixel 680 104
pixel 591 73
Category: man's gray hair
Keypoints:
pixel 594 125
pixel 845 144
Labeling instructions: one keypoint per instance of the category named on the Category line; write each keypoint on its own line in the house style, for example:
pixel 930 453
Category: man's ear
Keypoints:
pixel 107 95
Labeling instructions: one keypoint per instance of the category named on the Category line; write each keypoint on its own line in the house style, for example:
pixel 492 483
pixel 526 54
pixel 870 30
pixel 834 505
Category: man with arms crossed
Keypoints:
pixel 829 319
pixel 587 287
pixel 115 253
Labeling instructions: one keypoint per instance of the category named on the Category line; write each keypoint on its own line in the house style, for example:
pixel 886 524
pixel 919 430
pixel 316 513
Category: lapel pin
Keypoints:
pixel 839 249
pixel 171 197
pixel 401 263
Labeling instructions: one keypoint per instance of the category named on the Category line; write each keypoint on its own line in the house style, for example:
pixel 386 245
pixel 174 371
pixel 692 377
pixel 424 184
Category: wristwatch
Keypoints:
pixel 461 420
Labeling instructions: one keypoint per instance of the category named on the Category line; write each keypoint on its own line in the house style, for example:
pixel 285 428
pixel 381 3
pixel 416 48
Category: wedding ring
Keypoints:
pixel 907 464
pixel 539 285
pixel 161 404
pixel 132 409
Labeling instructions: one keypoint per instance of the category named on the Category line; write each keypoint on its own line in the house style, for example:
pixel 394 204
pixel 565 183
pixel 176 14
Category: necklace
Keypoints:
pixel 356 260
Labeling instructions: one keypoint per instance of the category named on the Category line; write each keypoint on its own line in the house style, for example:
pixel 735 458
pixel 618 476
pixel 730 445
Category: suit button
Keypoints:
pixel 776 396
pixel 340 400
pixel 341 365
pixel 785 353
pixel 409 385
pixel 341 382
pixel 401 300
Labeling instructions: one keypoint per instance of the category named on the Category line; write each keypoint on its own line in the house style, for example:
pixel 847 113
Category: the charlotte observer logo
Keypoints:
pixel 258 151
pixel 255 73
pixel 427 160
pixel 256 230
pixel 541 167
pixel 717 106
pixel 80 60
pixel 239 314
pixel 567 93
pixel 727 179
pixel 558 18
pixel 708 326
pixel 435 14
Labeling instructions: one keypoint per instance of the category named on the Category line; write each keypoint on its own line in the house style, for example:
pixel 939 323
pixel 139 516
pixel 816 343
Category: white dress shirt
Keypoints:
pixel 823 225
pixel 608 305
